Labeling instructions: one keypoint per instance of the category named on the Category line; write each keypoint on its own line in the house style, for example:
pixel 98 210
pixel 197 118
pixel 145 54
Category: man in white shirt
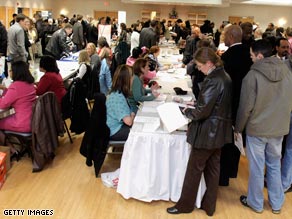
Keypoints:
pixel 282 47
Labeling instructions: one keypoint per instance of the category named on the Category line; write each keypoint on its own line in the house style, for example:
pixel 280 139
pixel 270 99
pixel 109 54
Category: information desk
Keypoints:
pixel 153 164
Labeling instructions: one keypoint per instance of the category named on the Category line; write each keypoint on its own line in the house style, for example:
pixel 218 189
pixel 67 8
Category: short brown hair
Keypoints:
pixel 205 54
pixel 68 26
pixel 79 17
pixel 139 63
pixel 20 17
pixel 122 80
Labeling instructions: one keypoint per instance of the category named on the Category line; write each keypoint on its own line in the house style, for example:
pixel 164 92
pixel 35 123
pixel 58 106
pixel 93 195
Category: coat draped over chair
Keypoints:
pixel 47 125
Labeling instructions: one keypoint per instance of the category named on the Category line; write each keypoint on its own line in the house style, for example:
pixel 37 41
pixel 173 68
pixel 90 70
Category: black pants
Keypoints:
pixel 230 156
pixel 122 134
pixel 200 161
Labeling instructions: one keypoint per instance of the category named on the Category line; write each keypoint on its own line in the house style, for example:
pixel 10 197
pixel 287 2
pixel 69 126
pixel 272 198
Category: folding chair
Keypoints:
pixel 20 141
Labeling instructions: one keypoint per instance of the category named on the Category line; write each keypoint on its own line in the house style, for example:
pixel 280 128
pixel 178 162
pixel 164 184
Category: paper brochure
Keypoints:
pixel 171 116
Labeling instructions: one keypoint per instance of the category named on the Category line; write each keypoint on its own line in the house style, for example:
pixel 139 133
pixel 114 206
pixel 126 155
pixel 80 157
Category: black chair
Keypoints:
pixel 20 141
pixel 67 130
pixel 95 143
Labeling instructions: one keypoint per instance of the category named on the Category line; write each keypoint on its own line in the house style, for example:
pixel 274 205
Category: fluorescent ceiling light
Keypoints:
pixel 193 2
pixel 269 2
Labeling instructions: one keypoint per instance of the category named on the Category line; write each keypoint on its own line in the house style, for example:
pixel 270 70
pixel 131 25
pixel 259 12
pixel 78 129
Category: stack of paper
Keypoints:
pixel 150 124
pixel 171 116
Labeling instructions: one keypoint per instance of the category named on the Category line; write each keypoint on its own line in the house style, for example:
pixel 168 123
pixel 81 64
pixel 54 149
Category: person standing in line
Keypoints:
pixel 286 168
pixel 264 111
pixel 13 20
pixel 148 36
pixel 210 129
pixel 16 40
pixel 237 63
pixel 78 37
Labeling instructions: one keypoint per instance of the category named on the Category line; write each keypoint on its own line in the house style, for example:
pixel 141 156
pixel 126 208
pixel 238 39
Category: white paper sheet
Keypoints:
pixel 239 143
pixel 150 124
pixel 171 116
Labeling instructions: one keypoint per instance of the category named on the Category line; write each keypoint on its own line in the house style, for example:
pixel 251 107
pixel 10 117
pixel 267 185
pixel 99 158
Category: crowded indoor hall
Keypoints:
pixel 146 109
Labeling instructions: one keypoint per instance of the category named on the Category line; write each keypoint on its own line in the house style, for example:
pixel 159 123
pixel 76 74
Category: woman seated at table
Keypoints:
pixel 94 58
pixel 119 115
pixel 84 65
pixel 136 53
pixel 102 47
pixel 21 96
pixel 154 65
pixel 139 93
pixel 210 129
pixel 51 80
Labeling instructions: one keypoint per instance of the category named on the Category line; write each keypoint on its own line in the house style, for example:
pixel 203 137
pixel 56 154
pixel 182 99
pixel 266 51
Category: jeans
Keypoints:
pixel 287 161
pixel 261 151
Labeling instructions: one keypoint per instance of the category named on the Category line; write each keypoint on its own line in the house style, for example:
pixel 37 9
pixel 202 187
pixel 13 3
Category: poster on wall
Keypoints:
pixel 105 31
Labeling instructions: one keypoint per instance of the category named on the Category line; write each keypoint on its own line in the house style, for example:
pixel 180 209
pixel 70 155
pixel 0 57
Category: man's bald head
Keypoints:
pixel 233 34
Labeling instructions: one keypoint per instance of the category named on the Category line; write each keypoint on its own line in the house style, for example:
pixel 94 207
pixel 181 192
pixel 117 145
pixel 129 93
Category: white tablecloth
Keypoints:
pixel 153 166
pixel 154 163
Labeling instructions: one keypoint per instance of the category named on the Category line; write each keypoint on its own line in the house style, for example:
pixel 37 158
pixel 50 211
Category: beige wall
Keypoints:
pixel 262 14
pixel 30 4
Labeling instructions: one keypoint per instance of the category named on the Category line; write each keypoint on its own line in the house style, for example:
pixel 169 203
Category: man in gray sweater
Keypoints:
pixel 16 40
pixel 264 110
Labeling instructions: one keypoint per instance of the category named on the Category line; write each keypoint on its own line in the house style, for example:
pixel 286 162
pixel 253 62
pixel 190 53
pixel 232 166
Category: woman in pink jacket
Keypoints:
pixel 20 95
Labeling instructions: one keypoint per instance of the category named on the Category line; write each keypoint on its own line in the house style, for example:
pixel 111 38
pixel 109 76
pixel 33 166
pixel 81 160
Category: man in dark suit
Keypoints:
pixel 78 37
pixel 237 63
pixel 148 36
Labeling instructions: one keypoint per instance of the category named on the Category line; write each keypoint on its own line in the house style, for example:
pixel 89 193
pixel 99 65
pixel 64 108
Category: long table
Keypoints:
pixel 153 164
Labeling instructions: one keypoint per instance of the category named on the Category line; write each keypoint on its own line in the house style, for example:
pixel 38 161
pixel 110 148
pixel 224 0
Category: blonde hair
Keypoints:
pixel 92 47
pixel 83 57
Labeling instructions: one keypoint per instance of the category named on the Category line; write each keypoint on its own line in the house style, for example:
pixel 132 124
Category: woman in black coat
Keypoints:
pixel 210 129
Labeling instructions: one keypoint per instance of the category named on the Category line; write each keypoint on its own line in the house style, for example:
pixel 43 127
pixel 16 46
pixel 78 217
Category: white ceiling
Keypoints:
pixel 215 3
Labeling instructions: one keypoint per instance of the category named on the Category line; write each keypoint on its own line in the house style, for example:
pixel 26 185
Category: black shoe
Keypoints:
pixel 243 200
pixel 289 190
pixel 173 210
pixel 276 211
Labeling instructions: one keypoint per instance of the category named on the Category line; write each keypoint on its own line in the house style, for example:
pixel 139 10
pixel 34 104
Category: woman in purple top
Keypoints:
pixel 20 95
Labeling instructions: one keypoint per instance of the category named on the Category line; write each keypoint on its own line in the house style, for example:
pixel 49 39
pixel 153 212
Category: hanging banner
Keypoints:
pixel 105 31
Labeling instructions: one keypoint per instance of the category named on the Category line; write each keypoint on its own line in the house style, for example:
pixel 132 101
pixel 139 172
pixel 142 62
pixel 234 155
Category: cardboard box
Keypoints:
pixel 6 150
pixel 2 168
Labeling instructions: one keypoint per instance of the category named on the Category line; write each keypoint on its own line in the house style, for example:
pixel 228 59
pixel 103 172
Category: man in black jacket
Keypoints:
pixel 57 46
pixel 237 63
pixel 148 36
pixel 191 45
